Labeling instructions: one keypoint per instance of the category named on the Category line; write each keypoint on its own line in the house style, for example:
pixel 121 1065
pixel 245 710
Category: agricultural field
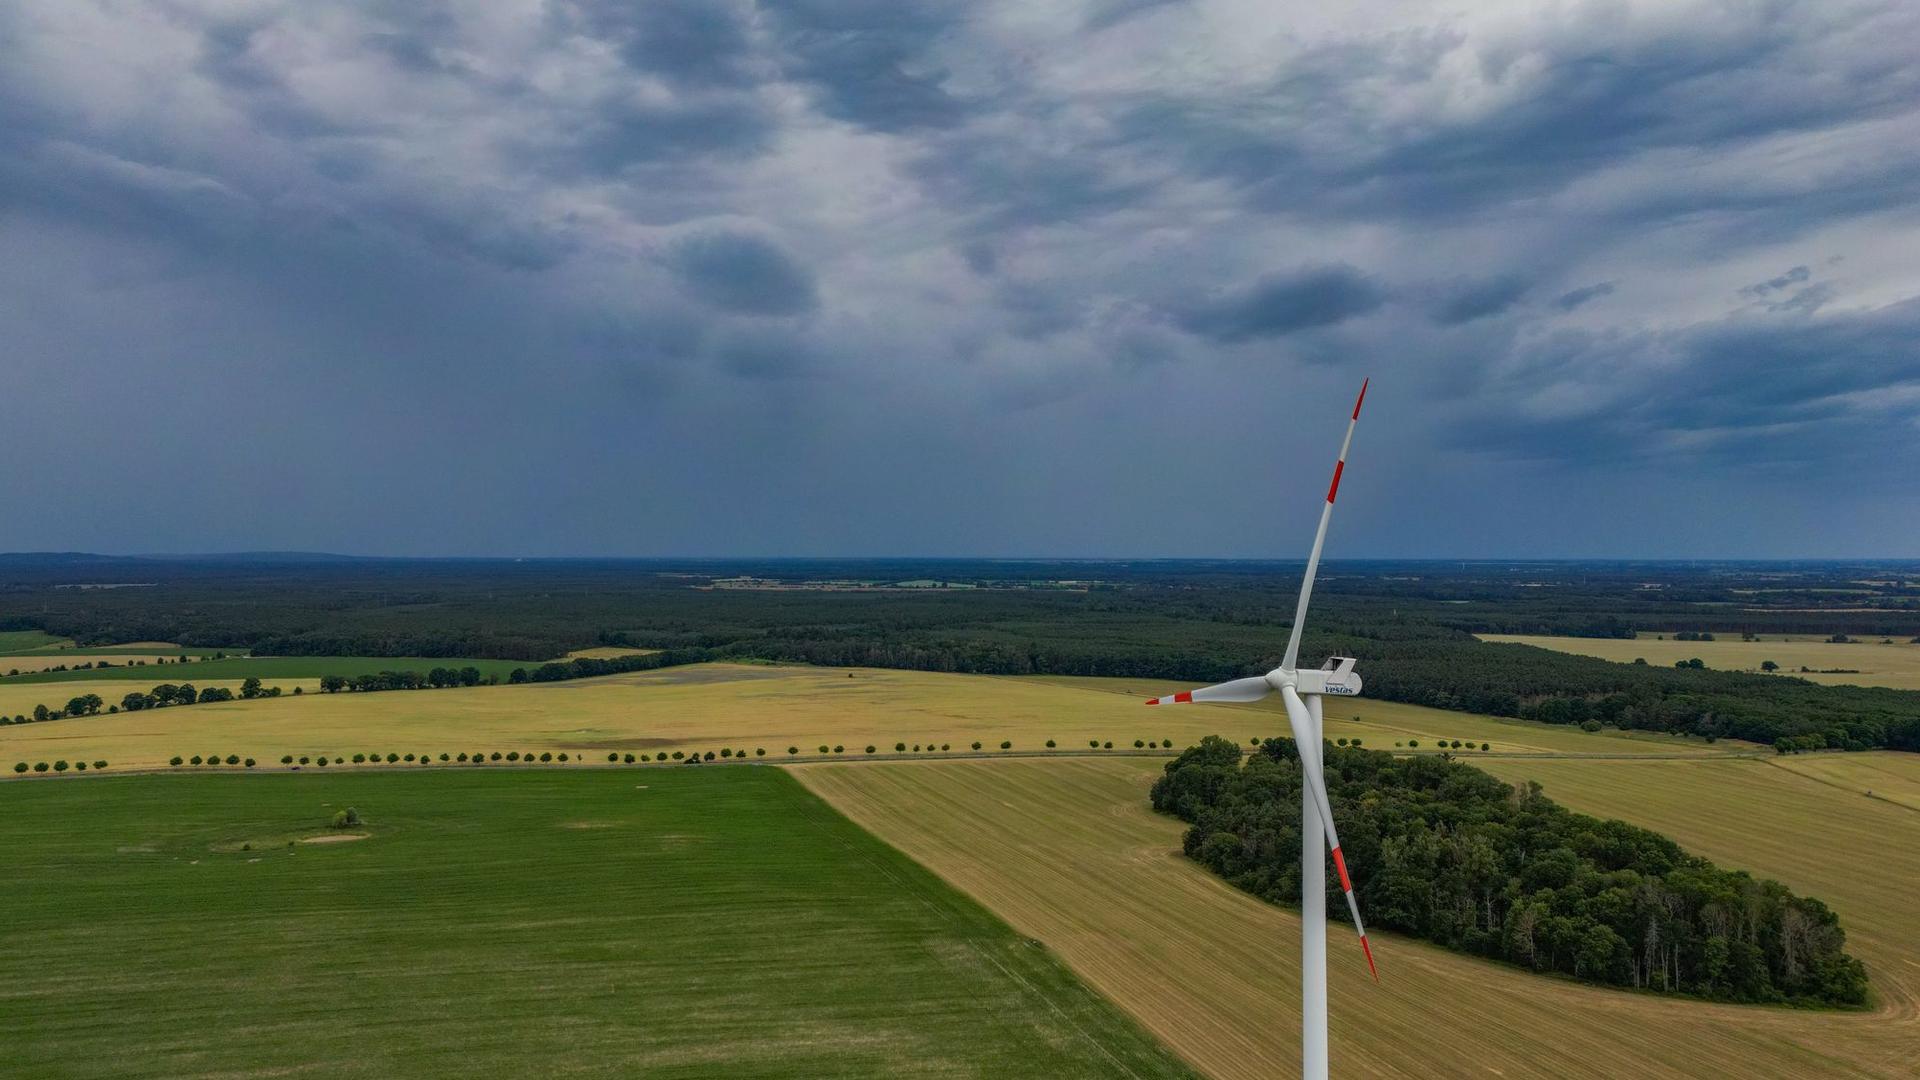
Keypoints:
pixel 1069 853
pixel 740 706
pixel 1869 662
pixel 668 923
pixel 280 668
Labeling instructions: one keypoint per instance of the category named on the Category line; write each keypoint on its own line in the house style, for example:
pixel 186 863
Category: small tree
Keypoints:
pixel 838 749
pixel 677 755
pixel 545 755
pixel 759 751
pixel 41 766
pixel 346 819
pixel 286 759
pixel 1768 665
pixel 726 753
pixel 1489 746
pixel 19 766
pixel 823 749
pixel 1413 744
pixel 1107 745
pixel 613 757
pixel 1006 745
pixel 1139 743
pixel 195 759
pixel 793 750
pixel 899 748
pixel 976 746
pixel 233 759
pixel 392 757
pixel 944 747
pixel 1339 742
pixel 102 764
pixel 359 759
pixel 628 759
pixel 1093 744
pixel 303 759
pixel 78 765
pixel 1353 742
pixel 709 755
pixel 869 748
pixel 512 755
pixel 321 762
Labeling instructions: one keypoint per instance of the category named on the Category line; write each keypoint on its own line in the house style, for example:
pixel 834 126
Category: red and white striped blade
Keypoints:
pixel 1250 689
pixel 1320 536
pixel 1314 773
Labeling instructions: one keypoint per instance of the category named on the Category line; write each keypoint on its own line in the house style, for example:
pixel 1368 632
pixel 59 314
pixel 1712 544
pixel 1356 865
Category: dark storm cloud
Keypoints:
pixel 743 273
pixel 802 248
pixel 1283 304
pixel 689 42
pixel 1795 276
pixel 1784 387
pixel 1574 298
pixel 1563 101
pixel 872 62
pixel 1478 299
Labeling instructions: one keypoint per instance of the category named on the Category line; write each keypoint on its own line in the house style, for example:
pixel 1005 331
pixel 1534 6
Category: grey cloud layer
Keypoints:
pixel 1584 241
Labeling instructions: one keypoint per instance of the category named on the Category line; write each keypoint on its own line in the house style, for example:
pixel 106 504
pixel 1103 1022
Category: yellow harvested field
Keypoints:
pixel 1381 724
pixel 742 706
pixel 1070 854
pixel 18 699
pixel 1880 774
pixel 1896 665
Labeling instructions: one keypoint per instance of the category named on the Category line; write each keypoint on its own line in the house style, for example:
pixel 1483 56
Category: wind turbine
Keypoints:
pixel 1302 691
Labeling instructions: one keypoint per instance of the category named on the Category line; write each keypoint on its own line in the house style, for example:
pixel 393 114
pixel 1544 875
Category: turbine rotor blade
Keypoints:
pixel 1320 537
pixel 1249 689
pixel 1313 773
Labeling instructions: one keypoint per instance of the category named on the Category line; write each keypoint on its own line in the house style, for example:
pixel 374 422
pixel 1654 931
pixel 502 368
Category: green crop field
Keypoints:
pixel 1070 853
pixel 666 923
pixel 22 641
pixel 263 667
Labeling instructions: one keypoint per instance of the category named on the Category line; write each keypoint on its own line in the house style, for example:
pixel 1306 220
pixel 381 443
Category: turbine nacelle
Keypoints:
pixel 1335 677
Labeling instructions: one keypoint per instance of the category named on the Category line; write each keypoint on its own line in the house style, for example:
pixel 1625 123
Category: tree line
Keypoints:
pixel 1445 852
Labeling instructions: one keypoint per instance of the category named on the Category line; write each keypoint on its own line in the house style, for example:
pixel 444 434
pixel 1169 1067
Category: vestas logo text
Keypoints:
pixel 1340 688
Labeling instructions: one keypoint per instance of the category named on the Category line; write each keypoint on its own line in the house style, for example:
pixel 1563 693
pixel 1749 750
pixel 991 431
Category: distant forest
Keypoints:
pixel 1410 623
pixel 1446 852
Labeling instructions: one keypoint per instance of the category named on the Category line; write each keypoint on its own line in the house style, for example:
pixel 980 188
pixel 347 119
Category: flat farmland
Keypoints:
pixel 667 924
pixel 741 706
pixel 263 667
pixel 1069 853
pixel 1895 665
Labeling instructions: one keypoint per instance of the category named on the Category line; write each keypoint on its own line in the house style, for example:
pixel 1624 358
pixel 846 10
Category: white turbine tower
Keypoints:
pixel 1301 691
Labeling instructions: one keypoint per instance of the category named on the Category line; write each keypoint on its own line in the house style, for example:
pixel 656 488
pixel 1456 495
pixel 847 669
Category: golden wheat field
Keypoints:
pixel 1070 854
pixel 738 706
pixel 1895 663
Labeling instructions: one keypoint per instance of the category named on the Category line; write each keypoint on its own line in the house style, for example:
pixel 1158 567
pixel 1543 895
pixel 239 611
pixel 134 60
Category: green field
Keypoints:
pixel 265 667
pixel 666 923
pixel 23 641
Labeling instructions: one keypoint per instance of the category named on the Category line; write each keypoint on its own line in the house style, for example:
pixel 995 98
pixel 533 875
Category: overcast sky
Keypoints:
pixel 1092 277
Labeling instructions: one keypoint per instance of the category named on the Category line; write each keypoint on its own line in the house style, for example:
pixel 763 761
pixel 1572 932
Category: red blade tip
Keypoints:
pixel 1368 949
pixel 1362 397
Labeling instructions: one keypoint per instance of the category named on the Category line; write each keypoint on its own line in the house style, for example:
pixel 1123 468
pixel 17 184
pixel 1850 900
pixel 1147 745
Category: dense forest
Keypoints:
pixel 1410 624
pixel 1446 852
